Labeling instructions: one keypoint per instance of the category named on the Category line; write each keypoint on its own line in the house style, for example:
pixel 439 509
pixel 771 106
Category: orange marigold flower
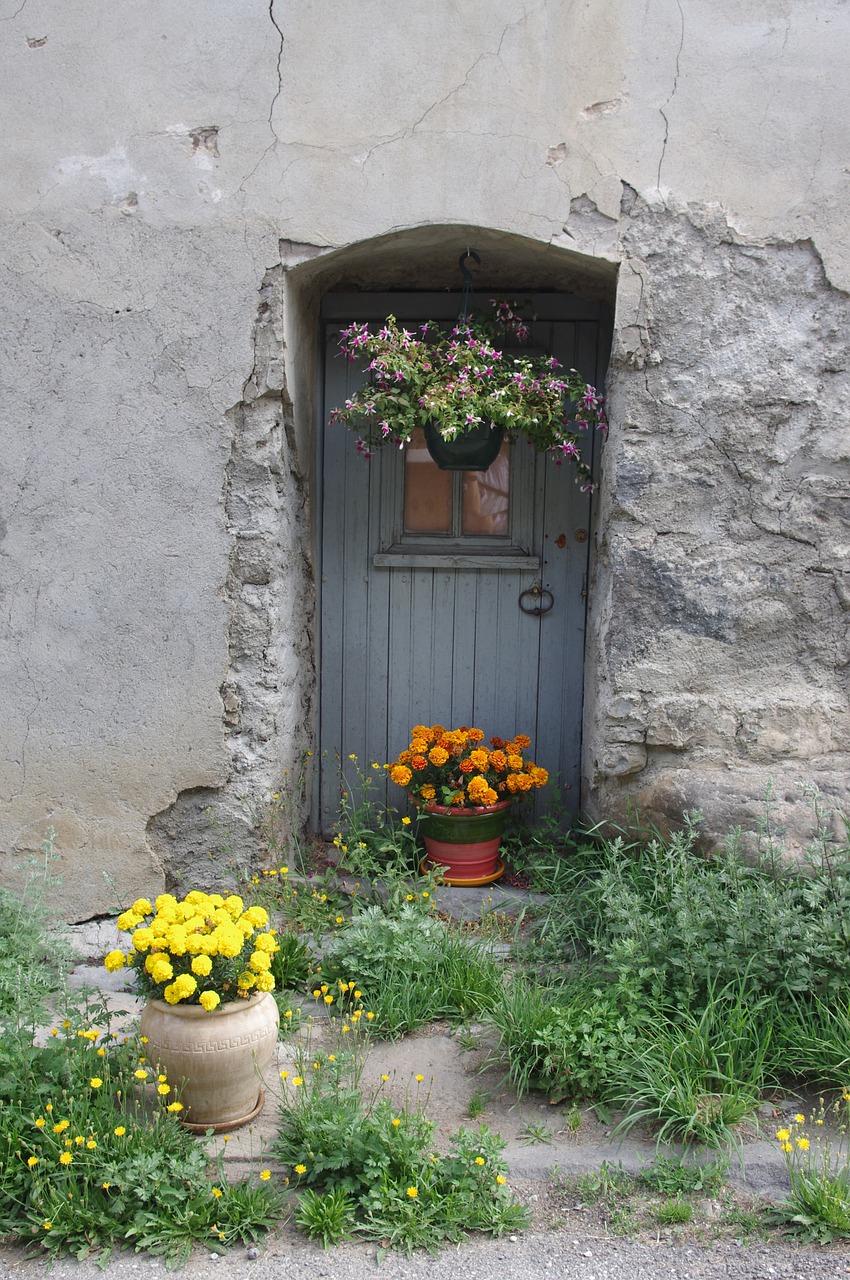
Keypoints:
pixel 418 745
pixel 475 735
pixel 437 731
pixel 419 762
pixel 457 797
pixel 522 741
pixel 427 792
pixel 438 756
pixel 404 757
pixel 477 789
pixel 496 742
pixel 515 762
pixel 498 760
pixel 466 766
pixel 539 776
pixel 480 757
pixel 400 775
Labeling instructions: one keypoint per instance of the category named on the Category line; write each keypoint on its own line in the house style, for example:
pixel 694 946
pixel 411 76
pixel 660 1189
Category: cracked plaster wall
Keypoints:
pixel 168 167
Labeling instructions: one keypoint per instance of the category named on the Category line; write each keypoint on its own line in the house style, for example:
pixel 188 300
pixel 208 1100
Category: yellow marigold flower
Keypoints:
pixel 128 921
pixel 143 939
pixel 412 1192
pixel 401 775
pixel 265 982
pixel 66 1158
pixel 142 907
pixel 265 1174
pixel 202 966
pixel 209 1000
pixel 266 942
pixel 114 961
pixel 119 1131
pixel 95 1082
pixel 437 756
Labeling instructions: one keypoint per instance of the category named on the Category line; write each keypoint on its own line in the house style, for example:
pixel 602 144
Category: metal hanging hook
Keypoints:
pixel 468 282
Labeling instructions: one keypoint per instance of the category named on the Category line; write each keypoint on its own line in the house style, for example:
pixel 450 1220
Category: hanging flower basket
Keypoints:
pixel 461 383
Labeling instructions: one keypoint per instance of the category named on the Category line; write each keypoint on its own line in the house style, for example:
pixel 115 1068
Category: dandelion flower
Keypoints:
pixel 65 1157
pixel 119 1131
pixel 803 1144
pixel 412 1192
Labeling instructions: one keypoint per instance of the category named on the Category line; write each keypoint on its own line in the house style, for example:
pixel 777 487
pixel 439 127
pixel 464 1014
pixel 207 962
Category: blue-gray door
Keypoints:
pixel 429 579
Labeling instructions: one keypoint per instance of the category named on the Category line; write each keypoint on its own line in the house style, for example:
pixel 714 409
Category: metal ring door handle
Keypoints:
pixel 536 600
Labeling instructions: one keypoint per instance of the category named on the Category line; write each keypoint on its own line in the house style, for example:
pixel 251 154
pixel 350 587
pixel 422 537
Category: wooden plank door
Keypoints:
pixel 424 623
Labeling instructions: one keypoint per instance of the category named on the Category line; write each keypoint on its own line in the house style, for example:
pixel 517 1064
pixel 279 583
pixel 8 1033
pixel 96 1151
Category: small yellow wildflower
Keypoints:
pixel 217 1192
pixel 369 1017
pixel 412 1192
pixel 163 1089
pixel 419 1079
pixel 95 1082
pixel 297 1081
pixel 799 1119
pixel 174 1106
pixel 300 1168
pixel 48 1226
pixel 385 1078
pixel 284 1075
pixel 405 822
pixel 396 1122
pixel 331 1057
pixel 338 920
pixel 479 1159
pixel 141 1074
pixel 803 1144
pixel 288 1013
pixel 91 1144
pixel 265 1174
pixel 65 1157
pixel 329 999
pixel 119 1131
pixel 40 1122
pixel 500 1179
pixel 32 1162
pixel 782 1135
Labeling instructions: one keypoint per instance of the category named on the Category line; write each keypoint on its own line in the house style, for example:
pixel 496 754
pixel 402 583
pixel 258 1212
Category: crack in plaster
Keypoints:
pixel 671 95
pixel 275 96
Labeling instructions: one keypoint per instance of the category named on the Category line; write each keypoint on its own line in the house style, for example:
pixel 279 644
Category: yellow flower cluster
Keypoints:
pixel 201 950
pixel 453 767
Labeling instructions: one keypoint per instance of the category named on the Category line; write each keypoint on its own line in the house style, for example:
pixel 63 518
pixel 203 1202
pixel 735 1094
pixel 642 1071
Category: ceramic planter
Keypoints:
pixel 214 1061
pixel 465 841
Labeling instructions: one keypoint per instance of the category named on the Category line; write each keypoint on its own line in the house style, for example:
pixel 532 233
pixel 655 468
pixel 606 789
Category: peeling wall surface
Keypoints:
pixel 182 181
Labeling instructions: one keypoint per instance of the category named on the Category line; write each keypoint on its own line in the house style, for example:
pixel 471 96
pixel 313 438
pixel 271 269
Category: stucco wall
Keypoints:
pixel 169 167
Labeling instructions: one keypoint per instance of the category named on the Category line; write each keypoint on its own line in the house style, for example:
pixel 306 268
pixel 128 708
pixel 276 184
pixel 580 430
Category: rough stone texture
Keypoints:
pixel 184 180
pixel 720 639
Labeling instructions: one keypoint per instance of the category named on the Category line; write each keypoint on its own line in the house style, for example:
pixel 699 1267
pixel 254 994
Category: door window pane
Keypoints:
pixel 486 497
pixel 427 490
